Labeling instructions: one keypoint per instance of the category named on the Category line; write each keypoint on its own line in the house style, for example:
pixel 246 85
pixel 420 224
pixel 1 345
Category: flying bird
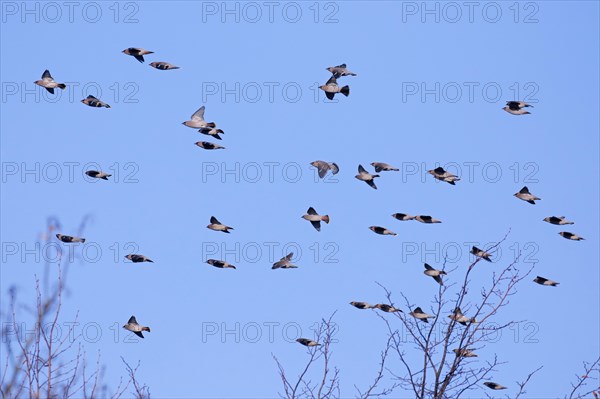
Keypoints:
pixel 137 53
pixel 48 82
pixel 137 258
pixel 220 264
pixel 481 253
pixel 419 314
pixel 427 219
pixel 379 166
pixel 323 167
pixel 70 239
pixel 464 352
pixel 365 176
pixel 94 102
pixel 340 70
pixel 559 220
pixel 209 146
pixel 545 281
pixel 526 196
pixel 197 120
pixel 382 231
pixel 516 107
pixel 97 175
pixel 133 326
pixel 461 318
pixel 440 174
pixel 331 88
pixel 307 342
pixel 218 226
pixel 387 308
pixel 493 385
pixel 571 236
pixel 430 271
pixel 211 131
pixel 403 216
pixel 361 305
pixel 285 262
pixel 163 66
pixel 315 219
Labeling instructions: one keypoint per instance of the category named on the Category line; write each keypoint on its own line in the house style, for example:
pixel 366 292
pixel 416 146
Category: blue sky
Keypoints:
pixel 165 189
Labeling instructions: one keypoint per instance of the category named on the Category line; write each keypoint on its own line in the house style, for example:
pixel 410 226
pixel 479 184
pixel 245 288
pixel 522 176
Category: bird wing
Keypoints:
pixel 214 220
pixel 371 183
pixel 132 320
pixel 198 115
pixel 46 74
pixel 316 224
pixel 139 334
pixel 311 211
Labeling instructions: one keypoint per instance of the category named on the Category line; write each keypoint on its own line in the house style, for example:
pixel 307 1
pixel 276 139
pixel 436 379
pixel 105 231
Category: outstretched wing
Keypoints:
pixel 198 115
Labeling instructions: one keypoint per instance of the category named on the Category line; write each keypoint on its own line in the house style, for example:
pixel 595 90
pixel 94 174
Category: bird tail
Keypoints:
pixel 375 176
pixel 325 219
pixel 106 177
pixel 443 272
pixel 62 86
pixel 146 329
pixel 82 240
pixel 352 74
pixel 107 106
pixel 345 90
pixel 211 124
pixel 149 260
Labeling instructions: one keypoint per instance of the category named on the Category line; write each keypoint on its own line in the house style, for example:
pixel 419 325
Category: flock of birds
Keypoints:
pixel 331 88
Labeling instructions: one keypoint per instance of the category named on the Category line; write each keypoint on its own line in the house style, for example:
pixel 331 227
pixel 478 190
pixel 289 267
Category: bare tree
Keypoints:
pixel 582 380
pixel 327 385
pixel 44 361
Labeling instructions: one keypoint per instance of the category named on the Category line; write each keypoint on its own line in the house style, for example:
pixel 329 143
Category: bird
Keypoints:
pixel 382 231
pixel 137 53
pixel 220 264
pixel 386 308
pixel 379 166
pixel 133 326
pixel 559 220
pixel 48 82
pixel 440 174
pixel 460 317
pixel 493 385
pixel 481 253
pixel 70 239
pixel 545 281
pixel 361 305
pixel 526 196
pixel 137 258
pixel 307 342
pixel 209 146
pixel 430 271
pixel 571 236
pixel 323 167
pixel 427 219
pixel 419 314
pixel 365 176
pixel 218 226
pixel 163 66
pixel 516 107
pixel 97 175
pixel 210 131
pixel 331 88
pixel 403 216
pixel 197 120
pixel 285 262
pixel 94 102
pixel 464 352
pixel 315 219
pixel 340 70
